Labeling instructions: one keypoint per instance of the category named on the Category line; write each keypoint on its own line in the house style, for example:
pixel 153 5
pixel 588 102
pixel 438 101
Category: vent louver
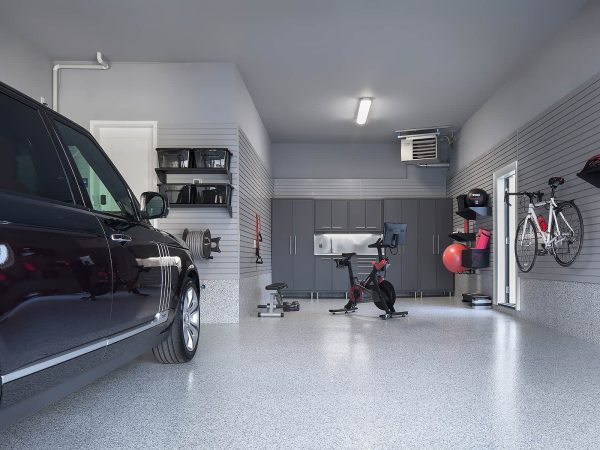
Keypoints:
pixel 426 146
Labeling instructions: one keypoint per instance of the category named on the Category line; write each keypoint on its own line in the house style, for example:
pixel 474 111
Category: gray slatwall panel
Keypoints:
pixel 225 265
pixel 360 188
pixel 256 191
pixel 480 174
pixel 555 143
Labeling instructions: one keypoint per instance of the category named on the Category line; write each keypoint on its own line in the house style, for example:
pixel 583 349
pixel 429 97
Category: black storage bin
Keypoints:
pixel 461 201
pixel 178 194
pixel 173 158
pixel 474 258
pixel 212 195
pixel 211 158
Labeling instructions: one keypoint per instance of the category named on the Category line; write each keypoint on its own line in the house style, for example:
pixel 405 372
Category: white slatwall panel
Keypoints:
pixel 256 191
pixel 225 265
pixel 430 183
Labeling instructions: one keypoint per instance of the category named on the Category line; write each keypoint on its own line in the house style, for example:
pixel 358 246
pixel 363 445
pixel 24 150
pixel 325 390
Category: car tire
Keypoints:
pixel 180 343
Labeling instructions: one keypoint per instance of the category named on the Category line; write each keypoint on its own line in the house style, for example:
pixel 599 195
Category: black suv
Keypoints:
pixel 86 283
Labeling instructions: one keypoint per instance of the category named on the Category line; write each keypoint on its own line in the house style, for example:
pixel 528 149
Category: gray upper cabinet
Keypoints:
pixel 373 215
pixel 323 215
pixel 356 215
pixel 339 215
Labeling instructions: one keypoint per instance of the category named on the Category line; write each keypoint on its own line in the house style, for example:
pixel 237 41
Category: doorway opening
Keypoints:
pixel 505 224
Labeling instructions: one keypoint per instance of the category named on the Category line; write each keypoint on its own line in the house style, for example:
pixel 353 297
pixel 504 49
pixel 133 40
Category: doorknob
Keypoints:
pixel 120 238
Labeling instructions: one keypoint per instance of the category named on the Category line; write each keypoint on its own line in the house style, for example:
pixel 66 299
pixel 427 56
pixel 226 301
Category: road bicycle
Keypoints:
pixel 561 236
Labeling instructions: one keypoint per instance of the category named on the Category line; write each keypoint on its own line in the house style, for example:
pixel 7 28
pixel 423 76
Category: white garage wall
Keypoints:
pixel 195 104
pixel 25 66
pixel 565 62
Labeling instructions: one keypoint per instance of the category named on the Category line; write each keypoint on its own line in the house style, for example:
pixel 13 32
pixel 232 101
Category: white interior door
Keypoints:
pixel 505 223
pixel 132 148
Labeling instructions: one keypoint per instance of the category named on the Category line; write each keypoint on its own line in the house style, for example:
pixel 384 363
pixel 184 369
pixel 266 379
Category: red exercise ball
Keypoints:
pixel 452 258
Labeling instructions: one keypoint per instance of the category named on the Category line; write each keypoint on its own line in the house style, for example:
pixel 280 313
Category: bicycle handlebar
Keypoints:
pixel 538 194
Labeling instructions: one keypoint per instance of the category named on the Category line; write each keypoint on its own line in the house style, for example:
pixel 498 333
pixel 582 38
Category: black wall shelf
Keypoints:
pixel 162 172
pixel 471 213
pixel 463 237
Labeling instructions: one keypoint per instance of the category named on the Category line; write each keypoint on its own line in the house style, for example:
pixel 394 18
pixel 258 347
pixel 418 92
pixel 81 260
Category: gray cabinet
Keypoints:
pixel 403 272
pixel 339 215
pixel 282 232
pixel 328 277
pixel 356 215
pixel 427 258
pixel 323 215
pixel 323 273
pixel 365 215
pixel 417 266
pixel 373 215
pixel 293 224
pixel 443 222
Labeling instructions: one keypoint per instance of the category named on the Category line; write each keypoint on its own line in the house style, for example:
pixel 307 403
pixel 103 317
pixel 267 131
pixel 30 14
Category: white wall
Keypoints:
pixel 24 66
pixel 167 92
pixel 249 120
pixel 291 160
pixel 566 61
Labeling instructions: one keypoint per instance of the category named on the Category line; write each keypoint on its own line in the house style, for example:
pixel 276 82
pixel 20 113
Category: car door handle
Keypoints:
pixel 120 238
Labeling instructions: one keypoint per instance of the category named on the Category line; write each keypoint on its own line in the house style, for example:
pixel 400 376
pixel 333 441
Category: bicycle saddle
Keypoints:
pixel 556 181
pixel 348 255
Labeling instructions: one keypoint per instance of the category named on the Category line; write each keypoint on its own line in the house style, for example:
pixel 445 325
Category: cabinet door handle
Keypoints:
pixel 438 244
pixel 433 244
pixel 372 228
pixel 337 228
pixel 295 249
pixel 290 245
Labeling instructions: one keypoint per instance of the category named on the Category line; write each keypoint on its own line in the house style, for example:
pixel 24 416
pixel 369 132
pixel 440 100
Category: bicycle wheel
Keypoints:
pixel 526 244
pixel 568 244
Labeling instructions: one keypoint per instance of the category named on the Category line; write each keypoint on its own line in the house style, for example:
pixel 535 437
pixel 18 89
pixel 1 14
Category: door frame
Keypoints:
pixel 96 125
pixel 499 244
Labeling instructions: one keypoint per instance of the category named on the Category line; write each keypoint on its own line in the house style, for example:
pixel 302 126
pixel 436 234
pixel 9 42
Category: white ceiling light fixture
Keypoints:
pixel 364 105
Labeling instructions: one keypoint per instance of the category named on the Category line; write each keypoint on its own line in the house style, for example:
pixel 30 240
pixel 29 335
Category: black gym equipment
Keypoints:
pixel 380 290
pixel 477 198
pixel 277 302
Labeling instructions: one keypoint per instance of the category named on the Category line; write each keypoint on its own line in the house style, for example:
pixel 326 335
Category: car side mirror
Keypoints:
pixel 154 205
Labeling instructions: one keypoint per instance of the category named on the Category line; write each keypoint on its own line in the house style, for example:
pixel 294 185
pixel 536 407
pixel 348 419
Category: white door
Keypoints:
pixel 505 225
pixel 132 148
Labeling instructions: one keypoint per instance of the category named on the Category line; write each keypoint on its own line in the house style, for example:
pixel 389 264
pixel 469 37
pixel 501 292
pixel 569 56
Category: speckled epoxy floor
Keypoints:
pixel 444 377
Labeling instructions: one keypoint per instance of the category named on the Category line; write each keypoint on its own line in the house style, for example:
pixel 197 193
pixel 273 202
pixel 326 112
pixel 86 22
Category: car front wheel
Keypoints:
pixel 181 340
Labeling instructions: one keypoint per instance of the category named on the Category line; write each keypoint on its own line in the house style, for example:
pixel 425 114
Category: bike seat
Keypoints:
pixel 276 286
pixel 348 255
pixel 556 181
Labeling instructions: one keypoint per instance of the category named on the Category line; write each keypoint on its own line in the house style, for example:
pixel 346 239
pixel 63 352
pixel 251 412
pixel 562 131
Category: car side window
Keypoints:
pixel 106 190
pixel 29 162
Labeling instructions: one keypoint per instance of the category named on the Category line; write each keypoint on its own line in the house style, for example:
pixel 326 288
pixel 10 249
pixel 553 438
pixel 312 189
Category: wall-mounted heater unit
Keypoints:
pixel 427 147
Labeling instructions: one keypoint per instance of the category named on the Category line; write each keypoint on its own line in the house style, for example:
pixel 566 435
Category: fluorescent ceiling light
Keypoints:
pixel 364 105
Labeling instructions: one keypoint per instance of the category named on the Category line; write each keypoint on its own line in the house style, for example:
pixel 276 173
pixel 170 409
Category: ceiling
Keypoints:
pixel 306 62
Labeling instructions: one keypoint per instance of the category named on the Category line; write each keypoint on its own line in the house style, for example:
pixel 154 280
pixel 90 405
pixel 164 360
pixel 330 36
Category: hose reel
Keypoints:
pixel 201 244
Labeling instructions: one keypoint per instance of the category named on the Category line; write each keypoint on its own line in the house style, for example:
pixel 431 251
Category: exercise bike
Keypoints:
pixel 380 290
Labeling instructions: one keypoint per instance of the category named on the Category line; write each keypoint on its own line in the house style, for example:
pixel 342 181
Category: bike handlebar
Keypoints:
pixel 538 194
